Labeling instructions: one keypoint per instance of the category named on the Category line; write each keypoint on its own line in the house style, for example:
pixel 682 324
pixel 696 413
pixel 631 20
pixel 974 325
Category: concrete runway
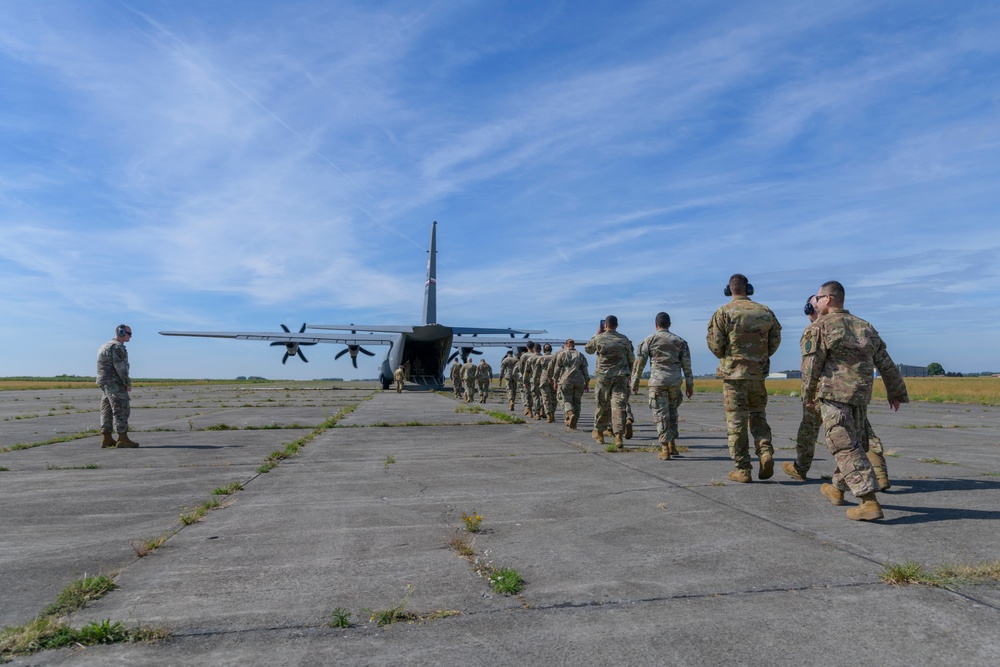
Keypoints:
pixel 627 559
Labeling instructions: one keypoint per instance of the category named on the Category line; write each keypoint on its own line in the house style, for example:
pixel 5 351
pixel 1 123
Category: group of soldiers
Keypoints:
pixel 840 353
pixel 468 377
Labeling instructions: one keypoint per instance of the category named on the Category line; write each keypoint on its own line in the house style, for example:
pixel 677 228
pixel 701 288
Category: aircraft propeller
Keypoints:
pixel 465 352
pixel 354 349
pixel 292 349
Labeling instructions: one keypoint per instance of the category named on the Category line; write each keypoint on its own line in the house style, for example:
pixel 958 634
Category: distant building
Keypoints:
pixel 912 371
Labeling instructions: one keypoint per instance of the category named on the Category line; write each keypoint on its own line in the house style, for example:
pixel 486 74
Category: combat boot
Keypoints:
pixel 107 440
pixel 878 465
pixel 835 495
pixel 741 476
pixel 868 510
pixel 664 454
pixel 628 430
pixel 766 466
pixel 550 418
pixel 527 412
pixel 124 442
pixel 574 418
pixel 598 436
pixel 510 405
pixel 538 416
pixel 672 448
pixel 793 472
pixel 619 443
pixel 566 418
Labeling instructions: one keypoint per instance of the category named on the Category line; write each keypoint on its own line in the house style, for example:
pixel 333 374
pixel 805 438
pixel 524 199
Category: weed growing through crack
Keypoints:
pixel 910 573
pixel 388 461
pixel 937 461
pixel 339 618
pixel 144 548
pixel 228 489
pixel 473 522
pixel 394 614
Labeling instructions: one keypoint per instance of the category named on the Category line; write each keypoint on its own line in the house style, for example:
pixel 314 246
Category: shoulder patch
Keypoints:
pixel 808 342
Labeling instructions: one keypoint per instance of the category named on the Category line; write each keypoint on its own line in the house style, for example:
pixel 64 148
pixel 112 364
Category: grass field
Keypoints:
pixel 78 382
pixel 977 390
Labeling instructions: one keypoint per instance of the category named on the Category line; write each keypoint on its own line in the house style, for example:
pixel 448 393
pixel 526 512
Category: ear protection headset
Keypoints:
pixel 729 292
pixel 809 308
pixel 122 331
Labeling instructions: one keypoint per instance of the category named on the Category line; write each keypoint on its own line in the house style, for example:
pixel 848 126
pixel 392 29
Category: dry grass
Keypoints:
pixel 976 391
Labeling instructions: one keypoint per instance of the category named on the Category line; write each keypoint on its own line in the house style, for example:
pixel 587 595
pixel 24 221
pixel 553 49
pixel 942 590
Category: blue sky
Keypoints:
pixel 236 165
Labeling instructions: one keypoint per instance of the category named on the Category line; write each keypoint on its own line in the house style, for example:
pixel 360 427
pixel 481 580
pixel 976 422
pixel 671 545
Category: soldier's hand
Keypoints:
pixel 894 405
pixel 635 388
pixel 689 392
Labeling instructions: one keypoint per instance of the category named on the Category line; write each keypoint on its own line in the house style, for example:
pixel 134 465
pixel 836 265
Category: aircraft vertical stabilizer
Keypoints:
pixel 430 287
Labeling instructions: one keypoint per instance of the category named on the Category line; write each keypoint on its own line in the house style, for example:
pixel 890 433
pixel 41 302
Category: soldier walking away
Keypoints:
pixel 744 335
pixel 808 434
pixel 839 355
pixel 484 375
pixel 397 375
pixel 571 376
pixel 469 380
pixel 115 383
pixel 508 375
pixel 670 363
pixel 612 370
pixel 524 366
pixel 546 383
pixel 456 378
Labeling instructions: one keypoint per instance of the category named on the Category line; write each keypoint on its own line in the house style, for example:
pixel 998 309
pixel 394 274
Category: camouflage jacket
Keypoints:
pixel 614 355
pixel 669 358
pixel 744 335
pixel 484 372
pixel 546 366
pixel 570 367
pixel 456 372
pixel 524 366
pixel 508 369
pixel 839 355
pixel 112 365
pixel 469 371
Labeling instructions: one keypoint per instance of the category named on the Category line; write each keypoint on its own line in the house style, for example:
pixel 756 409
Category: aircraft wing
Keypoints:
pixel 388 328
pixel 469 342
pixel 286 337
pixel 462 331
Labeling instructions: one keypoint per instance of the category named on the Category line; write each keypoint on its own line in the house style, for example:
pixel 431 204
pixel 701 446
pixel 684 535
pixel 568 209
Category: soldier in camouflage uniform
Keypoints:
pixel 115 383
pixel 839 354
pixel 397 375
pixel 611 379
pixel 484 376
pixel 456 378
pixel 571 375
pixel 546 382
pixel 508 374
pixel 805 440
pixel 469 380
pixel 744 335
pixel 670 362
pixel 524 365
pixel 535 371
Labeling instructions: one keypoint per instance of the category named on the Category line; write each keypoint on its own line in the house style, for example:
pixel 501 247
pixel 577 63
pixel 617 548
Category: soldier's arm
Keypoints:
pixel 686 368
pixel 813 359
pixel 773 337
pixel 895 386
pixel 591 346
pixel 121 366
pixel 716 338
pixel 639 365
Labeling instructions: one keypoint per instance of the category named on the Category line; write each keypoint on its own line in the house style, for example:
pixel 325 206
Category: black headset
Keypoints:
pixel 122 331
pixel 729 292
pixel 809 308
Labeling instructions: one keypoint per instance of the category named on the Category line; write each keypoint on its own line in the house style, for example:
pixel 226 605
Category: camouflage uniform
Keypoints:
pixel 805 445
pixel 611 376
pixel 670 362
pixel 571 375
pixel 397 375
pixel 839 354
pixel 469 380
pixel 547 390
pixel 524 366
pixel 744 335
pixel 508 374
pixel 484 375
pixel 114 381
pixel 456 378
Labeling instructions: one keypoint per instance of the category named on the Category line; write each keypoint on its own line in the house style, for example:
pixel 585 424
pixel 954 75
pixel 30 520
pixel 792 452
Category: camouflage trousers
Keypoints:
pixel 470 391
pixel 511 390
pixel 572 396
pixel 664 401
pixel 484 389
pixel 612 404
pixel 548 392
pixel 115 408
pixel 526 398
pixel 537 405
pixel 847 440
pixel 805 443
pixel 745 401
pixel 458 388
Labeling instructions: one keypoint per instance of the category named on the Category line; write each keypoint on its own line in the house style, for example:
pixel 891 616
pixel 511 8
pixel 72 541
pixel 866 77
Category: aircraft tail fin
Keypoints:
pixel 430 287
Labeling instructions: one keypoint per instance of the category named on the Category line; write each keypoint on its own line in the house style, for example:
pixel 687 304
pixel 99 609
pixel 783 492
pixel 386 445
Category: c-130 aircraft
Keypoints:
pixel 422 348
